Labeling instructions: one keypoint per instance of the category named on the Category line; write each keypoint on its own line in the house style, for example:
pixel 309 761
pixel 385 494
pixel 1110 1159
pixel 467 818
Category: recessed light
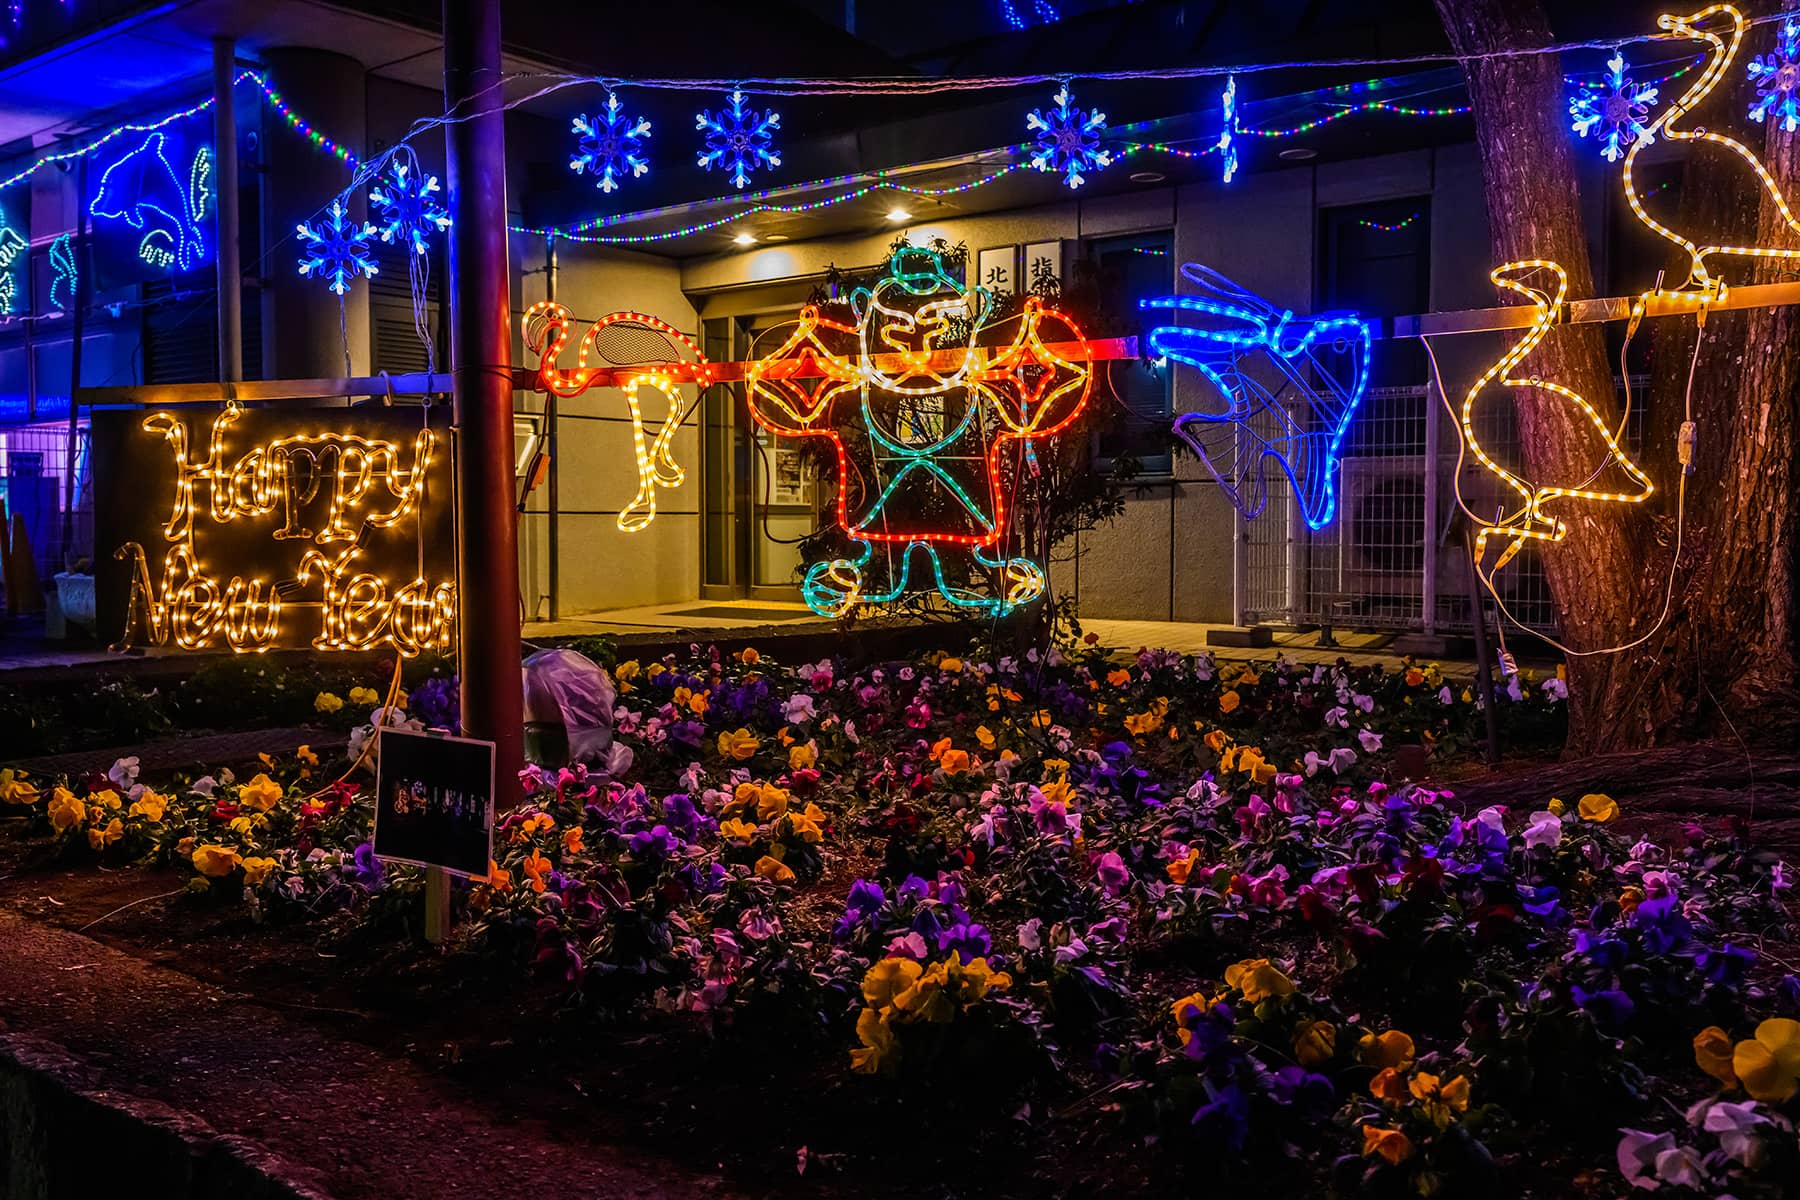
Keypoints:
pixel 745 239
pixel 1298 154
pixel 1147 177
pixel 775 237
pixel 898 214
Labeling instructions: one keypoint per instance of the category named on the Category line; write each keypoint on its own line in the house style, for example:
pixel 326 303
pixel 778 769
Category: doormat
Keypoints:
pixel 728 612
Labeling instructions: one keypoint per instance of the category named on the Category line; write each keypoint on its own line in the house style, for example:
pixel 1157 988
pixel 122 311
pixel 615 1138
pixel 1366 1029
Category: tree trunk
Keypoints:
pixel 1730 630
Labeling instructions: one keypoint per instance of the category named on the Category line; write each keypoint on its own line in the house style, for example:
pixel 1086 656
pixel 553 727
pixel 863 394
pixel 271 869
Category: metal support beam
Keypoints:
pixel 554 495
pixel 225 167
pixel 487 553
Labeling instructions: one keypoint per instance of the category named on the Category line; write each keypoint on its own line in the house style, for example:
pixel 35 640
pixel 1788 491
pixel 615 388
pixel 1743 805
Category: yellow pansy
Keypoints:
pixel 305 756
pixel 365 696
pixel 1217 740
pixel 66 810
pixel 14 789
pixel 749 656
pixel 261 793
pixel 984 737
pixel 1118 677
pixel 802 755
pixel 1768 1065
pixel 954 762
pixel 1712 1050
pixel 1389 1144
pixel 326 702
pixel 770 867
pixel 102 836
pixel 879 1046
pixel 215 860
pixel 771 802
pixel 1390 1048
pixel 257 869
pixel 1597 807
pixel 1057 791
pixel 737 831
pixel 1182 868
pixel 1229 702
pixel 1258 979
pixel 624 673
pixel 150 806
pixel 1556 808
pixel 572 840
pixel 950 666
pixel 884 982
pixel 808 826
pixel 739 744
pixel 1388 1084
pixel 1413 677
pixel 1314 1042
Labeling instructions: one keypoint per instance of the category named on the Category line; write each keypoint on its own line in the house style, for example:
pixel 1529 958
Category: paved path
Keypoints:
pixel 323 1116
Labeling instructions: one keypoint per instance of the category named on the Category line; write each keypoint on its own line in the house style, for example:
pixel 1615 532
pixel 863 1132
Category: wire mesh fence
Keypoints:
pixel 34 473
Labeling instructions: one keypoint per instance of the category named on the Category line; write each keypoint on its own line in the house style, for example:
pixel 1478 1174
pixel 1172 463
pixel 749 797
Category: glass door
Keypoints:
pixel 759 497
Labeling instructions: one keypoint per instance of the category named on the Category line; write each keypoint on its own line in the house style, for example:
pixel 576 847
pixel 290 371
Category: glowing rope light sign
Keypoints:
pixel 1702 285
pixel 950 402
pixel 64 277
pixel 12 246
pixel 142 189
pixel 1532 521
pixel 622 339
pixel 1290 387
pixel 319 534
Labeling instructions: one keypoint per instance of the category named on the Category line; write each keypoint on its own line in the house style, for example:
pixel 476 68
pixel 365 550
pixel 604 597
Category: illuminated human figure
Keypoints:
pixel 950 403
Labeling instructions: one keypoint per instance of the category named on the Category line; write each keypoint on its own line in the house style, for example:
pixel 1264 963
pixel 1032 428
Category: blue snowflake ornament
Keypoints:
pixel 408 209
pixel 1613 112
pixel 337 249
pixel 1068 139
pixel 739 139
pixel 1777 79
pixel 611 145
pixel 1228 155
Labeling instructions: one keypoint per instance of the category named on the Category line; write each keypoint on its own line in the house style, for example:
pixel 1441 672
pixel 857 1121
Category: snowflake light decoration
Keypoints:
pixel 1777 79
pixel 610 145
pixel 1613 111
pixel 1068 139
pixel 408 209
pixel 739 139
pixel 337 250
pixel 1228 156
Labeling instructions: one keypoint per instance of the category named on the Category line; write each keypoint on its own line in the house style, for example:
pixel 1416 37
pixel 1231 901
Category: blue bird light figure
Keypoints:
pixel 1290 386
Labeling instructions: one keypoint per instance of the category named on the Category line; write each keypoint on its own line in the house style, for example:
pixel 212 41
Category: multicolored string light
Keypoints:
pixel 293 119
pixel 1396 227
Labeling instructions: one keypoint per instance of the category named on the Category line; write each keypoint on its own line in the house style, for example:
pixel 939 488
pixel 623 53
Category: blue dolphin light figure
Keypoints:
pixel 1296 411
pixel 142 189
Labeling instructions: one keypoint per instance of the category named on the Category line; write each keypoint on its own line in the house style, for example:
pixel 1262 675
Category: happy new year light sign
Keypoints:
pixel 253 530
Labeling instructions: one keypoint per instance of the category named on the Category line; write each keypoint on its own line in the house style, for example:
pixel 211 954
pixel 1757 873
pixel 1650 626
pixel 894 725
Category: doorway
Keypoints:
pixel 759 498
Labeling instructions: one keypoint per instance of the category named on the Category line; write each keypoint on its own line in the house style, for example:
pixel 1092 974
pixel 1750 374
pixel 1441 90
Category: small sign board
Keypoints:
pixel 434 802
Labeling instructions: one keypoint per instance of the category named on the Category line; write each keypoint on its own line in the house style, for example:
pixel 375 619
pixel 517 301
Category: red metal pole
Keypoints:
pixel 487 558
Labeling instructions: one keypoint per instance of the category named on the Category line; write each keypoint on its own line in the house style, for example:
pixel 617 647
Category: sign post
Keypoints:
pixel 434 808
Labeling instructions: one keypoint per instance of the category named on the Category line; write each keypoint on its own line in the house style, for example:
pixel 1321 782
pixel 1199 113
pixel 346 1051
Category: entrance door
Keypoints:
pixel 758 498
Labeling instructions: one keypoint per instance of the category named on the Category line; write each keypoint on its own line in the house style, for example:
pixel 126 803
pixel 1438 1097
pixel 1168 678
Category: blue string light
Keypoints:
pixel 1777 79
pixel 739 139
pixel 337 249
pixel 143 190
pixel 1068 139
pixel 610 145
pixel 408 209
pixel 1233 444
pixel 1228 136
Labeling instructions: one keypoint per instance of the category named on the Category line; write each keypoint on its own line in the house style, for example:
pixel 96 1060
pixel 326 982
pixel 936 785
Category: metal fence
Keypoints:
pixel 34 476
pixel 1388 561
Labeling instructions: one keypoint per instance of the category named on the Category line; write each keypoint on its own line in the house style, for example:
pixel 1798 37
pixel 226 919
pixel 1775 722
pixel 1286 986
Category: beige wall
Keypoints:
pixel 601 566
pixel 1169 556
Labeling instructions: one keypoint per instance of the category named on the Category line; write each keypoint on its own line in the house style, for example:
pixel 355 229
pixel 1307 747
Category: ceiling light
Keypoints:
pixel 1298 154
pixel 1147 177
pixel 745 239
pixel 898 214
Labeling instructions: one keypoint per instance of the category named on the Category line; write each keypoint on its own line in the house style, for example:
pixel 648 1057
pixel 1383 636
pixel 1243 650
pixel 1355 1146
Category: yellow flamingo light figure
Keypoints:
pixel 1532 521
pixel 1702 285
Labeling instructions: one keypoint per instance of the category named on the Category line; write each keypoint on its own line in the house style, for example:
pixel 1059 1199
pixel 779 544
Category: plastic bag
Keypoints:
pixel 569 712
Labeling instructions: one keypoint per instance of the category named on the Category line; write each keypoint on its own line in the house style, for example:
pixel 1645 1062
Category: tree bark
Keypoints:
pixel 1727 647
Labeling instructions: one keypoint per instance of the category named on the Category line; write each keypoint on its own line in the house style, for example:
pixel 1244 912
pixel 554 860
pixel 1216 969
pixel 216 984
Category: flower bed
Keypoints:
pixel 1184 905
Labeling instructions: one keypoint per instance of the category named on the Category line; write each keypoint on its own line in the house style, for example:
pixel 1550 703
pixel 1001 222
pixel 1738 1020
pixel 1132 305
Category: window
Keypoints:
pixel 1375 260
pixel 1137 396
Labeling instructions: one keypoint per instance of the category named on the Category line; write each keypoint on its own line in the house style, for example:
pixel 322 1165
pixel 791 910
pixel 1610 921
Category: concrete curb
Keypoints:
pixel 64 1136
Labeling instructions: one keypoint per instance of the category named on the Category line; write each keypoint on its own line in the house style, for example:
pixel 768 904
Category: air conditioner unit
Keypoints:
pixel 1382 528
